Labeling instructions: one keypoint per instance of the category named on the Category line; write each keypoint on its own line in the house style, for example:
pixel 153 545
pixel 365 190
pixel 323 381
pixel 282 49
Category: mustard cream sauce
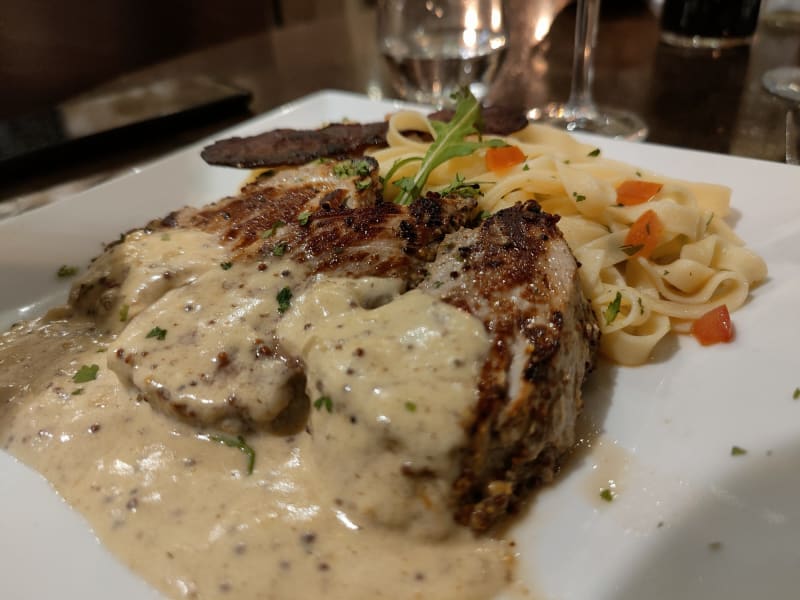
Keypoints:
pixel 348 505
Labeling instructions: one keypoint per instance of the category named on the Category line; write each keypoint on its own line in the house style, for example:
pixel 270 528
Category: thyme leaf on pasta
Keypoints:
pixel 239 443
pixel 451 142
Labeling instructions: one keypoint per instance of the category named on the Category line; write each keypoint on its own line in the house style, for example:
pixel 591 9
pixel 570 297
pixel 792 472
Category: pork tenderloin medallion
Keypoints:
pixel 210 346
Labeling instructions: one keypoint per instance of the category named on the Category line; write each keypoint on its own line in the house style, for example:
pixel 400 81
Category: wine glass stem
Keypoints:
pixel 580 96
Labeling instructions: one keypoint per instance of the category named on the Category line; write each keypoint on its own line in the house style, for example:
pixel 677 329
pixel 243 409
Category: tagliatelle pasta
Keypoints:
pixel 639 293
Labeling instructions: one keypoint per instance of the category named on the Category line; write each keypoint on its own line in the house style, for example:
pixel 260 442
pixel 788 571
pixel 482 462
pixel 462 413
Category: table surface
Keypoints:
pixel 704 100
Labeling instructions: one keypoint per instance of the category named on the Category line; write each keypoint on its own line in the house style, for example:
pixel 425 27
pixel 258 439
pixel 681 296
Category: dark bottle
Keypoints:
pixel 709 23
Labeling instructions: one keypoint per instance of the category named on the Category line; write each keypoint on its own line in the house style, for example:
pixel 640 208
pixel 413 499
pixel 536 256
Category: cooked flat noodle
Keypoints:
pixel 697 264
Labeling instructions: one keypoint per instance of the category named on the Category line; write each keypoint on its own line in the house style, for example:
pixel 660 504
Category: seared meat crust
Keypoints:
pixel 516 273
pixel 282 147
pixel 513 271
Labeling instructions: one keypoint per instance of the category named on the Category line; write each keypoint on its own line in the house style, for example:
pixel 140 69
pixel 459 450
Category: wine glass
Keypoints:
pixel 579 112
pixel 783 82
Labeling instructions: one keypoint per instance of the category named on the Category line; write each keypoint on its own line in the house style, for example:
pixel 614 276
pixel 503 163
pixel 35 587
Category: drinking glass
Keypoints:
pixel 579 112
pixel 783 82
pixel 435 47
pixel 709 23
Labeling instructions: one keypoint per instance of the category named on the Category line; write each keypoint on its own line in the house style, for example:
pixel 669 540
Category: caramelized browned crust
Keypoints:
pixel 516 273
pixel 295 147
pixel 282 147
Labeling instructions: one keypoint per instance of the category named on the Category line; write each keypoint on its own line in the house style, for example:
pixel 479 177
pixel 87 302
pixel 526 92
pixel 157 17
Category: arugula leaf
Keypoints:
pixel 460 188
pixel 450 142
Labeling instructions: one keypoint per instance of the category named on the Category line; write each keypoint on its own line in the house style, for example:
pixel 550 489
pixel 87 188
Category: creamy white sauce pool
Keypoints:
pixel 351 506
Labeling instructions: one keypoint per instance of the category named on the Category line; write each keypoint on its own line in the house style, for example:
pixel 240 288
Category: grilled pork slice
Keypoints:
pixel 170 252
pixel 236 376
pixel 517 275
pixel 205 333
pixel 295 147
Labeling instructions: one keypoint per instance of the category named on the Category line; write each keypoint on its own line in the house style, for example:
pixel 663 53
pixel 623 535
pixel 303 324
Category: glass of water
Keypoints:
pixel 434 47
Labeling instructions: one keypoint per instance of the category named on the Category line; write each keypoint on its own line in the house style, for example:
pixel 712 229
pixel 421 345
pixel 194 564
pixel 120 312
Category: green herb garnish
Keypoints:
pixel 459 188
pixel 737 451
pixel 303 217
pixel 284 299
pixel 578 197
pixel 351 168
pixel 607 494
pixel 324 401
pixel 77 391
pixel 450 142
pixel 526 167
pixel 363 184
pixel 595 152
pixel 411 407
pixel 157 332
pixel 612 310
pixel 237 442
pixel 66 271
pixel 272 230
pixel 123 312
pixel 796 393
pixel 279 249
pixel 226 265
pixel 86 373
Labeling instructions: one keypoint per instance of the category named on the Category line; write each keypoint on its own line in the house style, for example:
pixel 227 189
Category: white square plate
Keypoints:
pixel 690 520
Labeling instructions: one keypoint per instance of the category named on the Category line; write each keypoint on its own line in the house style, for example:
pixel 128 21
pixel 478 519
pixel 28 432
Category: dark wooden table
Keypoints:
pixel 703 100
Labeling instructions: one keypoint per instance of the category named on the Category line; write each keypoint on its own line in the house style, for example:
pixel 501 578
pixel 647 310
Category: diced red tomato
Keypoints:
pixel 633 191
pixel 644 235
pixel 503 158
pixel 714 327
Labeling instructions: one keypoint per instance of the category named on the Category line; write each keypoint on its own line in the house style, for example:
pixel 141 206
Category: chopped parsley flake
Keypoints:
pixel 226 265
pixel 578 197
pixel 123 312
pixel 796 393
pixel 324 401
pixel 595 152
pixel 638 173
pixel 303 217
pixel 607 494
pixel 363 184
pixel 708 223
pixel 157 332
pixel 351 168
pixel 612 310
pixel 237 442
pixel 526 167
pixel 411 407
pixel 485 214
pixel 77 391
pixel 641 305
pixel 66 271
pixel 279 249
pixel 737 451
pixel 284 299
pixel 86 373
pixel 272 230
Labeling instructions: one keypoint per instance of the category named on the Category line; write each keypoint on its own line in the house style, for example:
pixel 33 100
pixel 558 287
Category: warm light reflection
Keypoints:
pixel 542 27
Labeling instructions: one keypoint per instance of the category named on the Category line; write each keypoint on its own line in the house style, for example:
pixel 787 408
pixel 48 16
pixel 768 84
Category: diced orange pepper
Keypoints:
pixel 644 235
pixel 632 191
pixel 503 158
pixel 714 327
